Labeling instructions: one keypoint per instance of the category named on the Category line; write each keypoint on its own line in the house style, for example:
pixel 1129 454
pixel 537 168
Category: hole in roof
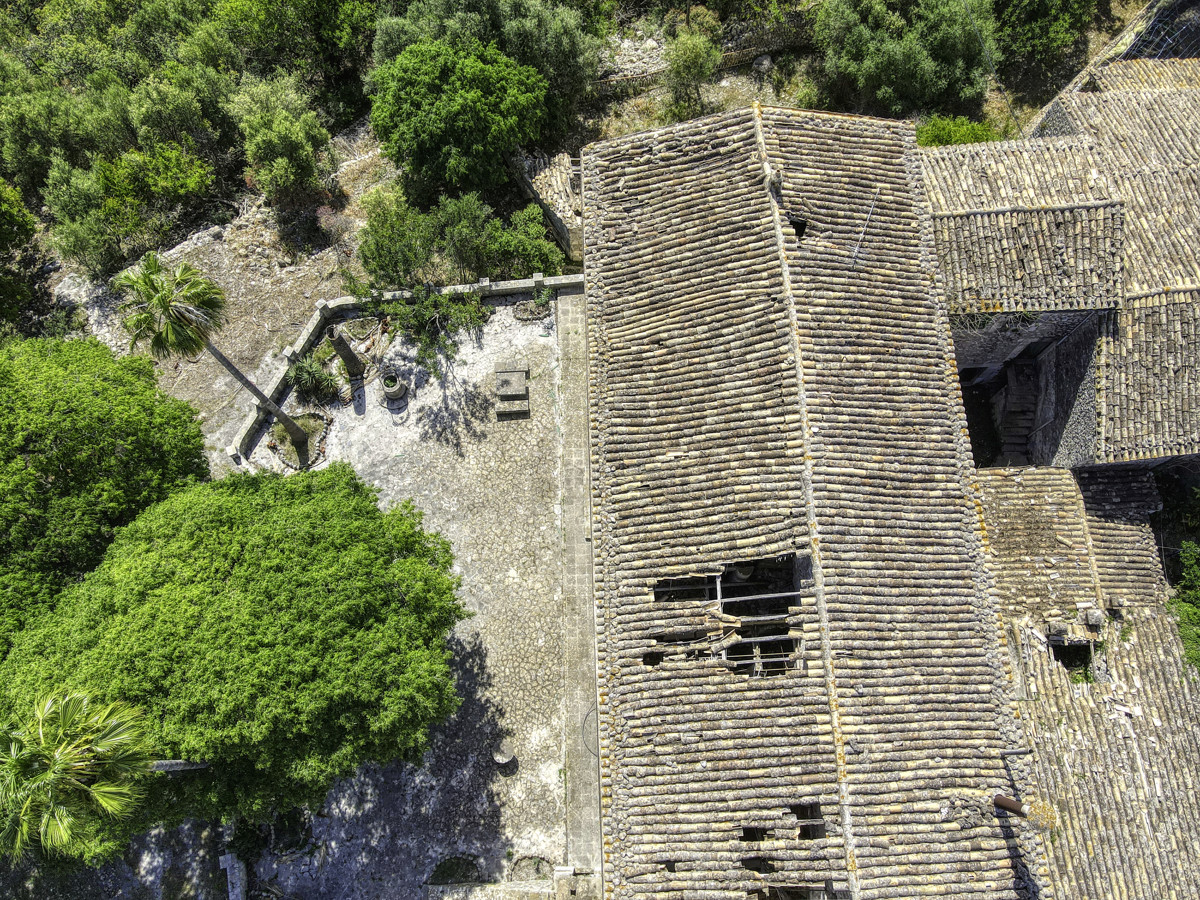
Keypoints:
pixel 759 864
pixel 755 834
pixel 652 658
pixel 799 225
pixel 1076 657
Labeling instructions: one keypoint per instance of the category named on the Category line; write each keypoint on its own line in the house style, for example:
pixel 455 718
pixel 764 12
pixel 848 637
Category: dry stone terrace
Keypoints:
pixel 495 488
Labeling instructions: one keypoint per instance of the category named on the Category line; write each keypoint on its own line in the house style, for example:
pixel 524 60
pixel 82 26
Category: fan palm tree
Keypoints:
pixel 177 311
pixel 63 767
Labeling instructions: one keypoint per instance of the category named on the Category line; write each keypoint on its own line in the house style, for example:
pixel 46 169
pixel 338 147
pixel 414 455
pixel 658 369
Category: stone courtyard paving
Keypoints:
pixel 494 489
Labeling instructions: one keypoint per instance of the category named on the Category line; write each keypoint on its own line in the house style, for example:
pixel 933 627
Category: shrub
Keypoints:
pixel 398 243
pixel 432 321
pixel 692 60
pixel 897 59
pixel 452 116
pixel 938 131
pixel 698 19
pixel 283 630
pixel 1036 35
pixel 16 231
pixel 87 441
pixel 286 147
pixel 311 380
pixel 480 245
pixel 185 106
pixel 460 239
pixel 120 208
pixel 1186 603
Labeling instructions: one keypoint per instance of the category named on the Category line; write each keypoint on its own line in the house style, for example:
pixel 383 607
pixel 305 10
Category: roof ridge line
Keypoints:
pixel 982 211
pixel 810 511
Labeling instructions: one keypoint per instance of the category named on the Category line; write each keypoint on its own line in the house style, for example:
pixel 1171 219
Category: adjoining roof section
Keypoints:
pixel 1162 227
pixel 1136 130
pixel 1031 260
pixel 1148 395
pixel 1015 174
pixel 1147 75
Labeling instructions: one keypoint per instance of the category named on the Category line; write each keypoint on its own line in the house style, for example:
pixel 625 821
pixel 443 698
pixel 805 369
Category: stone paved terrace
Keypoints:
pixel 495 490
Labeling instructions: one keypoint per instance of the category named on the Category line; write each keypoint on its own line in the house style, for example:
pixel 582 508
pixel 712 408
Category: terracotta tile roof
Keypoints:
pixel 1149 378
pixel 1025 260
pixel 771 373
pixel 1147 75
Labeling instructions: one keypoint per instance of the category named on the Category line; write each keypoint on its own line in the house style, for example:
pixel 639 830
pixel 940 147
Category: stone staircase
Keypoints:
pixel 1020 408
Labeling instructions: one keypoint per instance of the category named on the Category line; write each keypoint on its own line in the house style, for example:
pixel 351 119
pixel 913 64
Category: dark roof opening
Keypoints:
pixel 799 225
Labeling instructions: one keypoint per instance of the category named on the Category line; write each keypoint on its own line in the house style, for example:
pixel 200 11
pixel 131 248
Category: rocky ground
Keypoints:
pixel 273 271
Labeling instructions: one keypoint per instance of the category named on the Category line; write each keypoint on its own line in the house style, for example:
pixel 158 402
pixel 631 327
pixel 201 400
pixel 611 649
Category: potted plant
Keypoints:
pixel 393 387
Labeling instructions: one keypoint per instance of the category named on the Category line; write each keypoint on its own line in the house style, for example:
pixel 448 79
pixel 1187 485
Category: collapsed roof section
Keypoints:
pixel 1102 216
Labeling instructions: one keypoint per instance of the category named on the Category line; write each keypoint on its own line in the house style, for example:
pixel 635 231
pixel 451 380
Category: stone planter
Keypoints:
pixel 393 387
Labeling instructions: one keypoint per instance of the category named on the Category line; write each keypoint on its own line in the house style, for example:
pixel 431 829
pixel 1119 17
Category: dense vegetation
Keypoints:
pixel 87 442
pixel 128 121
pixel 282 630
pixel 70 768
pixel 1187 602
pixel 897 58
pixel 938 131
pixel 123 124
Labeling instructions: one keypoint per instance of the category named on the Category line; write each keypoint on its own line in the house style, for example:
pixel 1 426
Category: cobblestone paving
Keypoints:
pixel 493 488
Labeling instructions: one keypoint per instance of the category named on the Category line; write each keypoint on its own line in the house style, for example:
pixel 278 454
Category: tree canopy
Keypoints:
pixel 461 239
pixel 282 630
pixel 87 441
pixel 66 766
pixel 895 58
pixel 546 36
pixel 453 115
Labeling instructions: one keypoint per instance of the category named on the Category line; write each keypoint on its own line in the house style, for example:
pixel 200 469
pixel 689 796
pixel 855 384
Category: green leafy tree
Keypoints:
pixel 460 240
pixel 453 116
pixel 481 245
pixel 177 312
pixel 938 131
pixel 119 208
pixel 398 244
pixel 894 58
pixel 286 147
pixel 65 767
pixel 186 106
pixel 1186 603
pixel 87 441
pixel 16 231
pixel 282 630
pixel 548 37
pixel 692 61
pixel 1035 36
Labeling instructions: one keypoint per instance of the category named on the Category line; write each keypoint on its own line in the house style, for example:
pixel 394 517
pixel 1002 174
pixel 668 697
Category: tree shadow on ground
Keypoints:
pixel 458 415
pixel 394 825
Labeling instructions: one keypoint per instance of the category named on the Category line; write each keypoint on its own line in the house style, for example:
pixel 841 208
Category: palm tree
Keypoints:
pixel 177 312
pixel 64 766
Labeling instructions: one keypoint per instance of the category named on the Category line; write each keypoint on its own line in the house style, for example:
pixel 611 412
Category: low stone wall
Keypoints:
pixel 328 311
pixel 512 890
pixel 796 36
